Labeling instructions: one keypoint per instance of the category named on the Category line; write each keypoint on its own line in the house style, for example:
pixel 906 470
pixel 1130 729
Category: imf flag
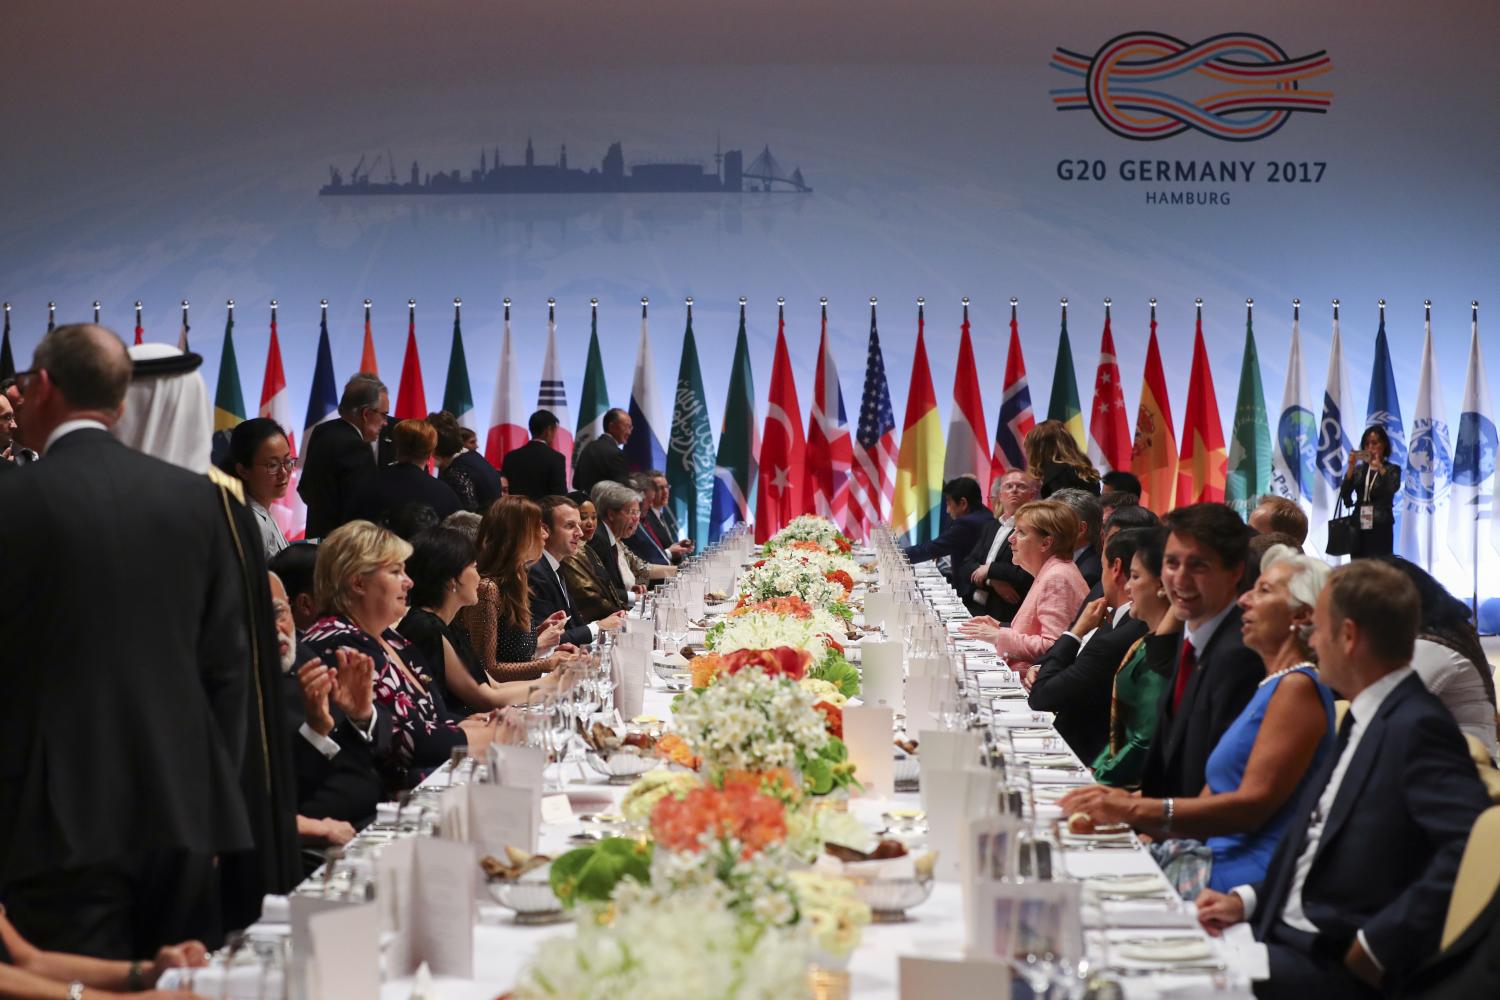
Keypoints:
pixel 1473 498
pixel 1333 439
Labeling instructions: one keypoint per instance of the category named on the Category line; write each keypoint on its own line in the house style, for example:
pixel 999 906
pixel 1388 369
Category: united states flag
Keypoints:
pixel 873 477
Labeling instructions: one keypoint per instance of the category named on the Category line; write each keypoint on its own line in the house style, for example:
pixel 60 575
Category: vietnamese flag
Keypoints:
pixel 1202 469
pixel 1153 458
pixel 783 450
pixel 917 505
pixel 1109 427
pixel 411 398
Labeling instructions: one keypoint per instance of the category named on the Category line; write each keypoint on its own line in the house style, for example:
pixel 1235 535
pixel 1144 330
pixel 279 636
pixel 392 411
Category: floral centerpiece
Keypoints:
pixel 794 576
pixel 809 528
pixel 760 629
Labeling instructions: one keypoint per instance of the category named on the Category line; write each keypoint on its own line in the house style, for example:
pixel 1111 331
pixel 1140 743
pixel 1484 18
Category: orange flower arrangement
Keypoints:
pixel 673 748
pixel 778 782
pixel 806 547
pixel 833 718
pixel 792 607
pixel 834 644
pixel 783 661
pixel 841 578
pixel 757 821
pixel 843 544
pixel 705 667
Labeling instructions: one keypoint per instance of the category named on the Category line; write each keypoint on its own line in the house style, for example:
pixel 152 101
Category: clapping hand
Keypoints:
pixel 551 630
pixel 354 686
pixel 317 683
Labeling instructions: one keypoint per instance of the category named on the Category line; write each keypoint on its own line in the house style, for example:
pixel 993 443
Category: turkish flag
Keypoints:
pixel 783 450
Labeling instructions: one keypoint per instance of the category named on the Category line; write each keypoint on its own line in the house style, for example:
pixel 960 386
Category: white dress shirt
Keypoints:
pixel 982 593
pixel 627 576
pixel 1201 636
pixel 1363 708
pixel 555 563
pixel 68 427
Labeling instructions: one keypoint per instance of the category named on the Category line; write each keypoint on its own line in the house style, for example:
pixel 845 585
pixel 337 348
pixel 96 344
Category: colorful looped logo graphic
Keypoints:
pixel 1122 85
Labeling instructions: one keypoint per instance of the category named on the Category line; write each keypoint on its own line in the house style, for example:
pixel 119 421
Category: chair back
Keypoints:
pixel 1478 876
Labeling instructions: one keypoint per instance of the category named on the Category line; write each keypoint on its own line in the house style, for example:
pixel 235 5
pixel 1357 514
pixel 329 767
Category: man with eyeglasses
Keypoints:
pixel 337 457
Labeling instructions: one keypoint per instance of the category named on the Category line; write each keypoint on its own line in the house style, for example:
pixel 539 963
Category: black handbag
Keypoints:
pixel 1343 531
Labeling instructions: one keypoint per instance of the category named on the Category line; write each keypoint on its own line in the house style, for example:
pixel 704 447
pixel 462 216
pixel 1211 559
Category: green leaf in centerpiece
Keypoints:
pixel 838 671
pixel 590 874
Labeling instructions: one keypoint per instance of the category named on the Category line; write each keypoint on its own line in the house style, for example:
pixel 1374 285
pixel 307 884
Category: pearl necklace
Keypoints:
pixel 1286 670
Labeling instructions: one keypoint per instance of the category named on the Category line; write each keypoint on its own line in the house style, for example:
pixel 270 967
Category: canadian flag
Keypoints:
pixel 276 403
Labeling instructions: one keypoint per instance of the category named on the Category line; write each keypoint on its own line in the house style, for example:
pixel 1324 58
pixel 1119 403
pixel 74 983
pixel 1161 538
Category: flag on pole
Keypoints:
pixel 1385 408
pixel 323 400
pixel 1250 440
pixel 1064 405
pixel 275 402
pixel 917 505
pixel 829 450
pixel 229 397
pixel 1109 425
pixel 140 331
pixel 1472 501
pixel 874 472
pixel 7 359
pixel 182 335
pixel 643 449
pixel 1333 438
pixel 1201 466
pixel 411 397
pixel 553 395
pixel 594 403
pixel 1153 455
pixel 1294 458
pixel 739 443
pixel 968 451
pixel 690 444
pixel 1016 416
pixel 1429 464
pixel 783 452
pixel 367 353
pixel 458 397
pixel 508 430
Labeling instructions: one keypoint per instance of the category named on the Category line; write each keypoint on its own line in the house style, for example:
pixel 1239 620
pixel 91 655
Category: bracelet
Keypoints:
pixel 1166 814
pixel 135 981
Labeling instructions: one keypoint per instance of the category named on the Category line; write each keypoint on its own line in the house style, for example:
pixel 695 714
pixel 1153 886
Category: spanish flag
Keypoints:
pixel 917 505
pixel 1202 468
pixel 1153 457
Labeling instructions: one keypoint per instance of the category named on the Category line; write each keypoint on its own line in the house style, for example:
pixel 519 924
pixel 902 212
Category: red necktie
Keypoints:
pixel 1185 668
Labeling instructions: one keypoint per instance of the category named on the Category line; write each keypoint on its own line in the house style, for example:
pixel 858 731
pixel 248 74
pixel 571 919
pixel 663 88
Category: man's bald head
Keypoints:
pixel 88 364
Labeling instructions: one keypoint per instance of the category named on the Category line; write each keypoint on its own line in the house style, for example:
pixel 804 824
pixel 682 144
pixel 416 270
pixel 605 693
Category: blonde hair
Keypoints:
pixel 351 550
pixel 1054 519
pixel 1051 441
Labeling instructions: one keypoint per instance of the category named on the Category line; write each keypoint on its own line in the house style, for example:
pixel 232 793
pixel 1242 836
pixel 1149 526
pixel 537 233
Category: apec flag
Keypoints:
pixel 1064 405
pixel 508 430
pixel 874 473
pixel 829 451
pixel 594 402
pixel 1472 502
pixel 1153 456
pixel 1429 466
pixel 323 400
pixel 1294 456
pixel 739 443
pixel 1109 427
pixel 783 451
pixel 553 395
pixel 1333 438
pixel 690 446
pixel 1250 442
pixel 1016 416
pixel 367 352
pixel 643 449
pixel 916 505
pixel 289 512
pixel 229 398
pixel 968 443
pixel 411 397
pixel 1201 466
pixel 458 398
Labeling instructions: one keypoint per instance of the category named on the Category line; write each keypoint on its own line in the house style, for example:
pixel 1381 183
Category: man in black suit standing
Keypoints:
pixel 549 591
pixel 126 668
pixel 988 579
pixel 536 469
pixel 1354 899
pixel 338 455
pixel 602 458
pixel 1199 645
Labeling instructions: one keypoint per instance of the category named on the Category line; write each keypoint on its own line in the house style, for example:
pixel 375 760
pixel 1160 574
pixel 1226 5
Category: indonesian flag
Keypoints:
pixel 1202 469
pixel 968 451
pixel 783 452
pixel 275 402
pixel 1109 428
pixel 829 451
pixel 507 427
pixel 411 398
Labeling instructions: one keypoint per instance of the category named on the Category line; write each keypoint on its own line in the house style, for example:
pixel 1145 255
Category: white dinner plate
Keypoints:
pixel 1164 949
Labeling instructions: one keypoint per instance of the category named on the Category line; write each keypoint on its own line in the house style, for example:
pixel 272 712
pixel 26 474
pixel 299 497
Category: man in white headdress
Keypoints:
pixel 167 411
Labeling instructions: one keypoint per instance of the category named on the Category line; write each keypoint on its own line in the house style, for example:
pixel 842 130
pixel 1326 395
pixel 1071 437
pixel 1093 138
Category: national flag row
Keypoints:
pixel 861 477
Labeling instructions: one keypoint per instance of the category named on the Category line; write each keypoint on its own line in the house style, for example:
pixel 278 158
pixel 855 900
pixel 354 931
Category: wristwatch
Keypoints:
pixel 75 990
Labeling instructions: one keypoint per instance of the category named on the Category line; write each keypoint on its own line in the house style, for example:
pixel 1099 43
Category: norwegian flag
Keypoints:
pixel 829 452
pixel 1109 427
pixel 1016 416
pixel 873 477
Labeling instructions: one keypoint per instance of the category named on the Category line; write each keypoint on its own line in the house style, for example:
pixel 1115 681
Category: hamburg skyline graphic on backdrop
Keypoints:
pixel 493 176
pixel 1258 87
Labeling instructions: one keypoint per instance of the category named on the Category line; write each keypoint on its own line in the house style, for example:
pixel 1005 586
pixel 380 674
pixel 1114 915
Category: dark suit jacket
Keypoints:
pixel 1092 568
pixel 955 540
pixel 336 459
pixel 1004 570
pixel 126 661
pixel 548 597
pixel 607 558
pixel 1219 689
pixel 535 470
pixel 644 545
pixel 600 459
pixel 348 787
pixel 654 523
pixel 1381 495
pixel 399 484
pixel 482 478
pixel 1392 841
pixel 1078 684
pixel 1469 967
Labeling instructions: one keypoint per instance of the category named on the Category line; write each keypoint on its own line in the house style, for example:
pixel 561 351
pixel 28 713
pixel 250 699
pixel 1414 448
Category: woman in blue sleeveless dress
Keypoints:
pixel 1263 759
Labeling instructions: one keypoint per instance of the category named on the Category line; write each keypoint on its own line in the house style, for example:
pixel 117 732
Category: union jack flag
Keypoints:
pixel 873 477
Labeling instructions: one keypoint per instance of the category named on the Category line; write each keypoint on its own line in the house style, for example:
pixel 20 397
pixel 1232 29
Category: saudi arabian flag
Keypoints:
pixel 1064 405
pixel 735 468
pixel 595 400
pixel 229 398
pixel 1250 442
pixel 690 448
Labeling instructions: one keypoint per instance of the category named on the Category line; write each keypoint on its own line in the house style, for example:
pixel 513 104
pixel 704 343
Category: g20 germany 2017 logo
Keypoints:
pixel 1253 86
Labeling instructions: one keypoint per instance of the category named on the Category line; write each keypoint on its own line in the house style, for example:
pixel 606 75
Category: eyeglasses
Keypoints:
pixel 285 465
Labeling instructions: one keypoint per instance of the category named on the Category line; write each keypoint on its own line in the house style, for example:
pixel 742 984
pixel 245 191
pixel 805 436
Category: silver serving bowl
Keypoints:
pixel 530 896
pixel 621 767
pixel 890 898
pixel 906 770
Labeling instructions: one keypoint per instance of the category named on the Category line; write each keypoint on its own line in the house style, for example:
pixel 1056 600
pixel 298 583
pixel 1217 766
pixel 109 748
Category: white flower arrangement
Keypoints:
pixel 749 722
pixel 809 528
pixel 763 630
pixel 790 576
pixel 823 562
pixel 822 690
pixel 653 786
pixel 832 910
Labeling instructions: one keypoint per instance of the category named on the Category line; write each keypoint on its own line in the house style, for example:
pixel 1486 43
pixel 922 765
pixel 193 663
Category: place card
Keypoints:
pixel 344 963
pixel 518 766
pixel 1013 920
pixel 878 607
pixel 925 978
pixel 300 911
pixel 557 809
pixel 630 667
pixel 501 817
pixel 441 918
pixel 952 798
pixel 867 733
pixel 882 675
pixel 949 749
